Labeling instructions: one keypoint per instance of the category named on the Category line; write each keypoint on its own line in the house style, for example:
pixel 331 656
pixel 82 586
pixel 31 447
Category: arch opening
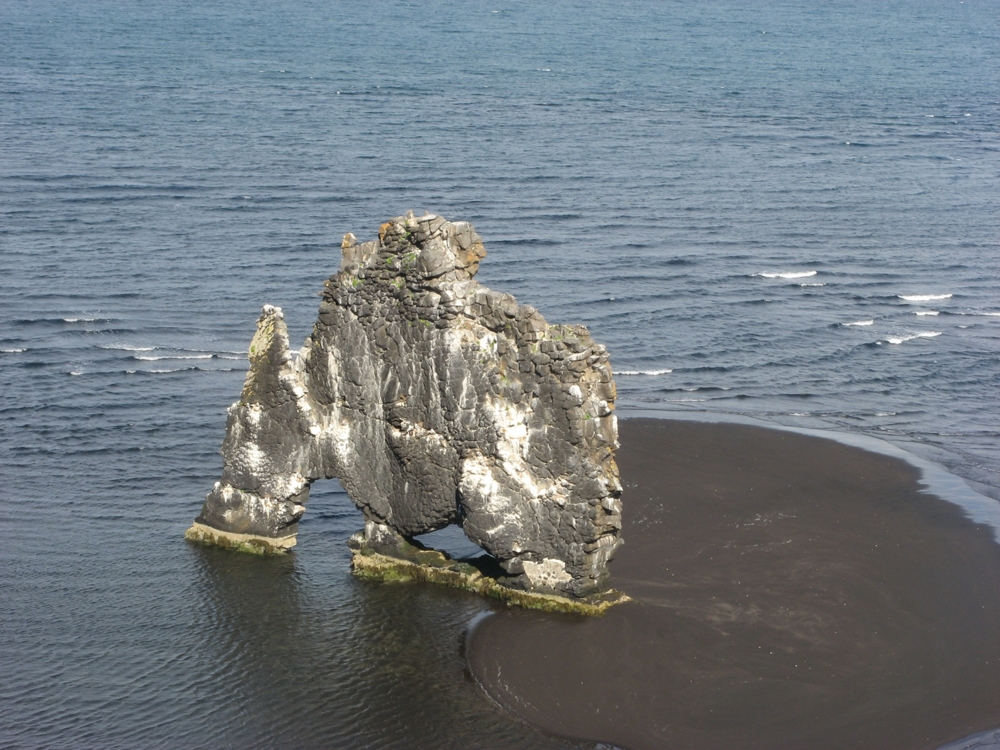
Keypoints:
pixel 452 541
pixel 330 513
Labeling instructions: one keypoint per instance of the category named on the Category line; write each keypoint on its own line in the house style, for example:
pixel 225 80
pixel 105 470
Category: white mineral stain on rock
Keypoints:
pixel 478 481
pixel 548 572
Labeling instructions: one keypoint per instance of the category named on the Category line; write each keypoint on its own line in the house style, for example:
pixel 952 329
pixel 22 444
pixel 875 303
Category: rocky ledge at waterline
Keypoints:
pixel 434 401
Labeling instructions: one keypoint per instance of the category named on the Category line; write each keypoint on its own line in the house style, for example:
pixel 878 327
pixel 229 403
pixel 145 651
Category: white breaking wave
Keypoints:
pixel 923 297
pixel 921 335
pixel 860 323
pixel 176 356
pixel 88 320
pixel 157 372
pixel 992 315
pixel 13 351
pixel 643 372
pixel 76 372
pixel 183 369
pixel 222 353
pixel 925 312
pixel 817 284
pixel 786 274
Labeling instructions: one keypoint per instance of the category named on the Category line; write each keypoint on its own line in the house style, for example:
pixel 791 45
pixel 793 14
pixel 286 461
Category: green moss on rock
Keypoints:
pixel 439 569
pixel 248 543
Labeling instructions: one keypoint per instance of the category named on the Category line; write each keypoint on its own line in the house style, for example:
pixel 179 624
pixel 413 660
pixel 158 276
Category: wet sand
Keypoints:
pixel 790 592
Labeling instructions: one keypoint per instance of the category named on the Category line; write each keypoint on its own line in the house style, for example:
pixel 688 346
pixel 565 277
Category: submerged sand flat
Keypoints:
pixel 790 592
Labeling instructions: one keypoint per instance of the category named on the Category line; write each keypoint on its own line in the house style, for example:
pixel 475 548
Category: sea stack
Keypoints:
pixel 434 401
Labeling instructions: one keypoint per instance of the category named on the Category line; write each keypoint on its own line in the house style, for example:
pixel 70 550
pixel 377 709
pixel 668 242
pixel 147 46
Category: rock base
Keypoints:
pixel 250 543
pixel 436 567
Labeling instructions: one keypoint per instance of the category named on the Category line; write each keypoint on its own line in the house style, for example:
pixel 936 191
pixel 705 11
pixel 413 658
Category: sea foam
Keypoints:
pixel 910 337
pixel 643 372
pixel 923 297
pixel 175 356
pixel 786 274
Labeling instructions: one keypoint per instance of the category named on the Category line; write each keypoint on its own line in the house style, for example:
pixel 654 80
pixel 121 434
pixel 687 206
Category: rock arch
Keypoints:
pixel 433 400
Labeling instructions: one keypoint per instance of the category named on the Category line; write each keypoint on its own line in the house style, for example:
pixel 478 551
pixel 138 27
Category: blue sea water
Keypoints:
pixel 786 211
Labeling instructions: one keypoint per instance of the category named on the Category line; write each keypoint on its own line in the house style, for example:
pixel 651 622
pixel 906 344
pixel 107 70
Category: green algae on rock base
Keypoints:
pixel 421 564
pixel 432 566
pixel 249 543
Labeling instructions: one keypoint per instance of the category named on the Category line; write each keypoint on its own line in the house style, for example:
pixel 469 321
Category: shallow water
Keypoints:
pixel 667 173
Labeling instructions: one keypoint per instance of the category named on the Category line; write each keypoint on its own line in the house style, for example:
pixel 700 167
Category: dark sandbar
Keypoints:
pixel 790 592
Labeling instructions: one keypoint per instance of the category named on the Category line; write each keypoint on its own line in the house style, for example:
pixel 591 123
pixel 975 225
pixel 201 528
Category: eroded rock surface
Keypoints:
pixel 434 401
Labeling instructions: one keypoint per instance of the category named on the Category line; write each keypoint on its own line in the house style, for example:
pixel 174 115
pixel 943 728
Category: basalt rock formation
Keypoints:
pixel 434 401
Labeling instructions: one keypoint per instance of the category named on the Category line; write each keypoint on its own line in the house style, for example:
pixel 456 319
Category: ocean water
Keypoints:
pixel 785 211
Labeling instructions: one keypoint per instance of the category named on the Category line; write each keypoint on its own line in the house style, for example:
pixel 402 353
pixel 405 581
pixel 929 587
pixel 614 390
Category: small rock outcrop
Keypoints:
pixel 434 401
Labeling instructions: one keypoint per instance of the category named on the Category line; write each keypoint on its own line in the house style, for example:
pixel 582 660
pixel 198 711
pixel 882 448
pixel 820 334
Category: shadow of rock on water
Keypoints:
pixel 790 592
pixel 308 655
